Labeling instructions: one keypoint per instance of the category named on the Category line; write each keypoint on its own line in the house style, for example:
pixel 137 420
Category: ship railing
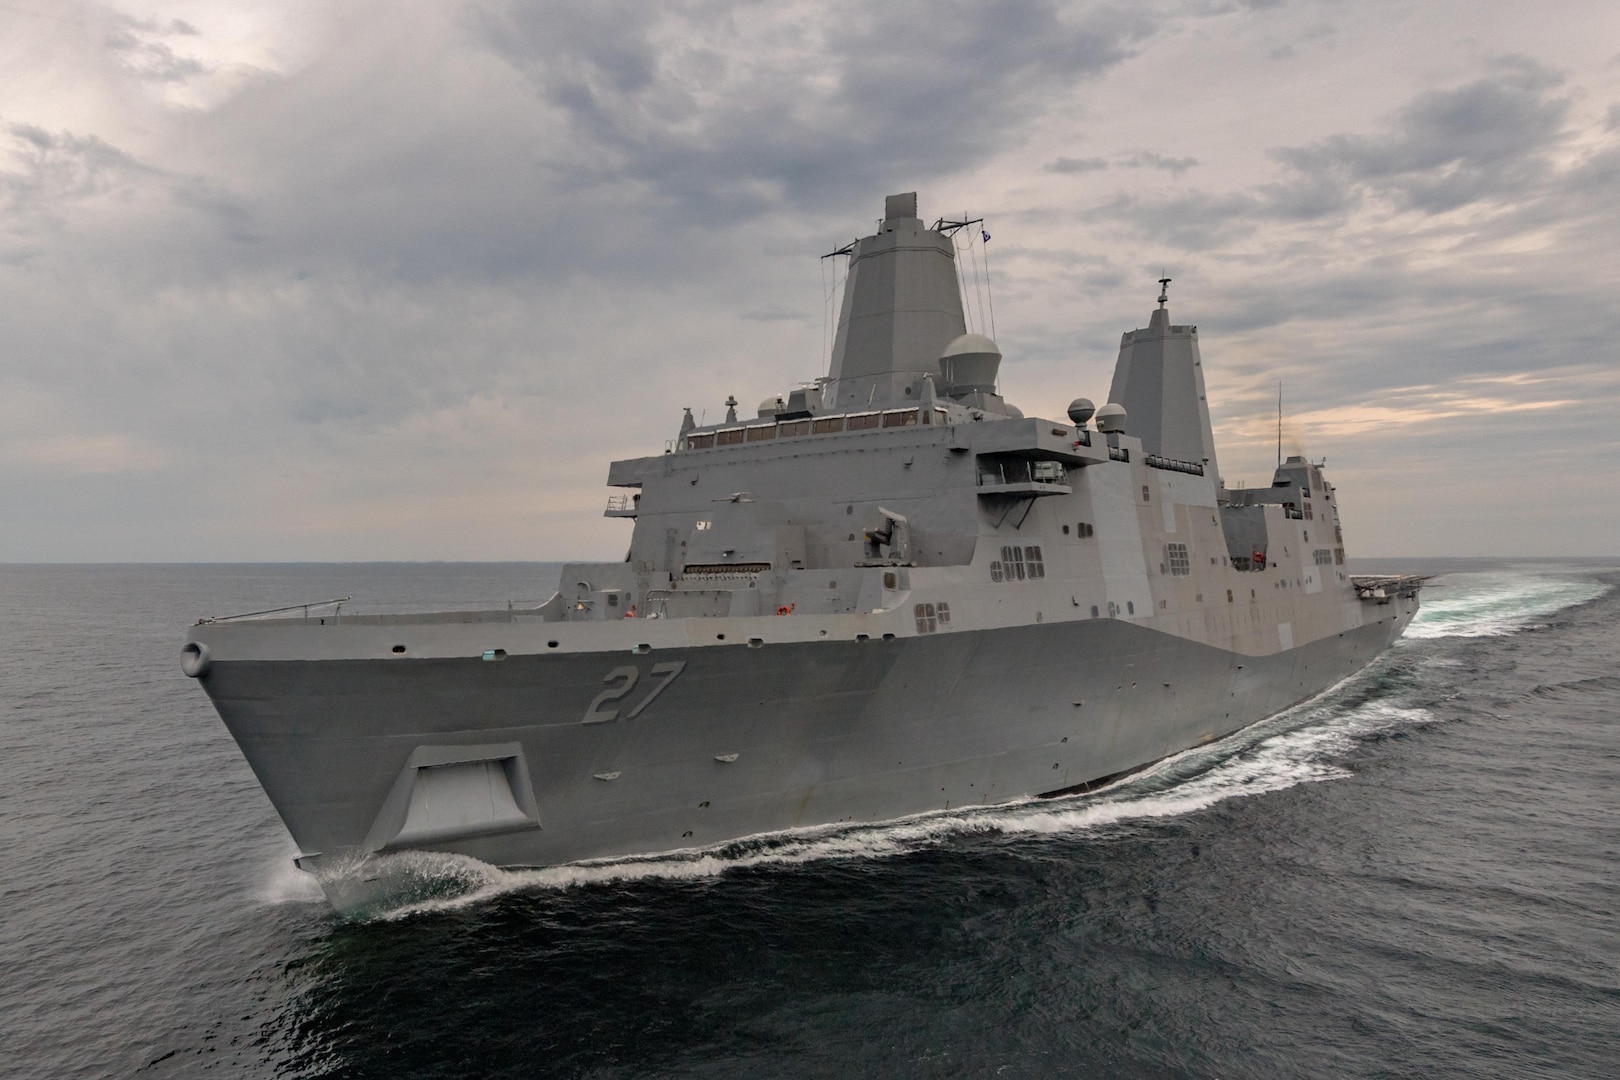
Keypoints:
pixel 432 609
pixel 811 425
pixel 335 603
pixel 1382 587
pixel 1193 468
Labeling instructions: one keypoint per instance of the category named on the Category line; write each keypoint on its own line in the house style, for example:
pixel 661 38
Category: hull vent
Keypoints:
pixel 465 799
pixel 450 793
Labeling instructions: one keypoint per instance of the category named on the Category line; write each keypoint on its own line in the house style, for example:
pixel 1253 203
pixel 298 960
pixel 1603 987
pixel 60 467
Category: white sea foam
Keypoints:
pixel 1492 604
pixel 1305 745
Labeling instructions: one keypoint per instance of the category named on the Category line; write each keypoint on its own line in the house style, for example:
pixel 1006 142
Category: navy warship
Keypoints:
pixel 889 592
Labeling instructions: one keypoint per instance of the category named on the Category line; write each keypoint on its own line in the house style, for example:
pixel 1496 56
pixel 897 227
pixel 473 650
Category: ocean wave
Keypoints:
pixel 1493 604
pixel 1307 744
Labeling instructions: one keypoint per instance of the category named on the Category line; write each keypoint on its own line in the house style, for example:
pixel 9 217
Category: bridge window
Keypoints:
pixel 826 425
pixel 927 620
pixel 1012 562
pixel 1019 564
pixel 862 421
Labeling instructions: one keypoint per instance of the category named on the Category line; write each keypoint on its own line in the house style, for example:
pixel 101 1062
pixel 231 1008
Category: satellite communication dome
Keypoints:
pixel 1111 417
pixel 1080 410
pixel 771 406
pixel 969 363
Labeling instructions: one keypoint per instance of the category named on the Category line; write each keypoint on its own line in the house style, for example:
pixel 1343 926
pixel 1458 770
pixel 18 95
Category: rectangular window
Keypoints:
pixel 926 621
pixel 1036 565
pixel 795 427
pixel 1175 557
pixel 762 432
pixel 1012 562
pixel 861 421
pixel 900 418
pixel 1084 531
pixel 995 572
pixel 826 425
pixel 944 613
pixel 700 442
pixel 729 437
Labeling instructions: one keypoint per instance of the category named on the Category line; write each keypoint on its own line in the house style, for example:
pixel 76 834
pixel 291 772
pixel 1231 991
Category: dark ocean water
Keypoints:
pixel 1416 875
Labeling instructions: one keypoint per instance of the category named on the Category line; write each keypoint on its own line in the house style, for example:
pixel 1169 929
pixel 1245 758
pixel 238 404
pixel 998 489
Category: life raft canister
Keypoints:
pixel 1260 559
pixel 630 612
pixel 785 609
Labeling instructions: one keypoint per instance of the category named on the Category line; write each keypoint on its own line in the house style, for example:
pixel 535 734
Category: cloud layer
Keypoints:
pixel 397 281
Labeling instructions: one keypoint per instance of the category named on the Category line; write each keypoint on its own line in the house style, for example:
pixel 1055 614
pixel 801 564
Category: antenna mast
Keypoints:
pixel 1279 423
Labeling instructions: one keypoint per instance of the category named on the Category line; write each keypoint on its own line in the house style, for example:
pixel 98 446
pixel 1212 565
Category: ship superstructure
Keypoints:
pixel 887 592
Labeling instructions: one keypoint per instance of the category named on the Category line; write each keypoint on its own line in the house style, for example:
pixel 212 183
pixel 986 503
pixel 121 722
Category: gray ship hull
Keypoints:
pixel 743 741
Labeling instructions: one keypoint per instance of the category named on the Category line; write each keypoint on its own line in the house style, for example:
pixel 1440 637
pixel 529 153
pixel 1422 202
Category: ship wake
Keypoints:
pixel 1494 604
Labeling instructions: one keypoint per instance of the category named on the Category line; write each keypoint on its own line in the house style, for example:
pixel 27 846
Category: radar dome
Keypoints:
pixel 970 363
pixel 771 406
pixel 1111 417
pixel 1080 410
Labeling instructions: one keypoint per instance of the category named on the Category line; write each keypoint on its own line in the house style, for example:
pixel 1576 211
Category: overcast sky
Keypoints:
pixel 397 280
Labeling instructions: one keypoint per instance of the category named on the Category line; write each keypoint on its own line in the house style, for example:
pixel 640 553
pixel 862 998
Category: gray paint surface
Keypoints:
pixel 893 597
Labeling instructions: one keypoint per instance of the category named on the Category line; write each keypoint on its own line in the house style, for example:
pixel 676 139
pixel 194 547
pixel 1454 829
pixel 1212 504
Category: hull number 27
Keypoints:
pixel 620 681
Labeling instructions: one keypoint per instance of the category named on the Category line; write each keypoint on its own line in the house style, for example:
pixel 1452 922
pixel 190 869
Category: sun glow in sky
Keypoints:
pixel 397 280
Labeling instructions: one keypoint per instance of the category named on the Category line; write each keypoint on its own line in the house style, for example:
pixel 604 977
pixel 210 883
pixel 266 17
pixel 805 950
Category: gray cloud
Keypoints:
pixel 1148 159
pixel 372 304
pixel 1490 141
pixel 154 60
pixel 1070 166
pixel 855 101
pixel 1487 140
